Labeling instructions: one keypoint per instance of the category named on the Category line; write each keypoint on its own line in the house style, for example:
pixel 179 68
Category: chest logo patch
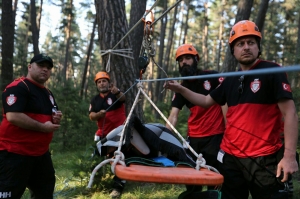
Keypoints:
pixel 51 99
pixel 221 79
pixel 255 85
pixel 11 99
pixel 109 101
pixel 206 85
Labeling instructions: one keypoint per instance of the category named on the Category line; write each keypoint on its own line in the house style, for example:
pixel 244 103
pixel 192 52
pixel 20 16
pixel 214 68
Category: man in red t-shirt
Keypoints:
pixel 107 108
pixel 30 117
pixel 205 125
pixel 252 156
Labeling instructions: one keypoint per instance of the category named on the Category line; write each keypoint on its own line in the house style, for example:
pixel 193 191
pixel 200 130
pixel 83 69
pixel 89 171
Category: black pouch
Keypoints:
pixel 281 194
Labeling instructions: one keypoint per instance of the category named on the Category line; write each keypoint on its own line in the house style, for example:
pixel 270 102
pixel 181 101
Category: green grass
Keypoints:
pixel 73 169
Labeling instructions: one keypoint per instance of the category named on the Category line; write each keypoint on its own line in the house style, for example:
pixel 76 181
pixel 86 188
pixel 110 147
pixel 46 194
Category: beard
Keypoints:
pixel 103 90
pixel 188 70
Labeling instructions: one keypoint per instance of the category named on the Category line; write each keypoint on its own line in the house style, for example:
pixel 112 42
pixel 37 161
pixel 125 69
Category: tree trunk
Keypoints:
pixel 204 38
pixel 138 8
pixel 243 13
pixel 261 16
pixel 221 28
pixel 186 23
pixel 88 55
pixel 160 73
pixel 34 28
pixel 166 66
pixel 68 30
pixel 112 27
pixel 39 17
pixel 8 31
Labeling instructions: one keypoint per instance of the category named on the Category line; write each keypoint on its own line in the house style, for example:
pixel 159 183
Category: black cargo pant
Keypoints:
pixel 252 175
pixel 34 172
pixel 209 147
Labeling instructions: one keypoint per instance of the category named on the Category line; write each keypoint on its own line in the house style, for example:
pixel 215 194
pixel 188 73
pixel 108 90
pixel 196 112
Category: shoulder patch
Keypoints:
pixel 286 87
pixel 11 99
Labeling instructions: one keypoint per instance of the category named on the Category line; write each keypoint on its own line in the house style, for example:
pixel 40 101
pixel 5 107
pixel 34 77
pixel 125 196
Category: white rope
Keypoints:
pixel 147 44
pixel 98 167
pixel 118 152
pixel 119 156
pixel 137 23
pixel 115 52
pixel 201 162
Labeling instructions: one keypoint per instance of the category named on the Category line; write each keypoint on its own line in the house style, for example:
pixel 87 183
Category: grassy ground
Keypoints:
pixel 72 176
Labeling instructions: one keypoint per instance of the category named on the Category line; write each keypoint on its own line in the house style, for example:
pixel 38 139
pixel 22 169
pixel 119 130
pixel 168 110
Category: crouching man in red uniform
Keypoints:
pixel 26 132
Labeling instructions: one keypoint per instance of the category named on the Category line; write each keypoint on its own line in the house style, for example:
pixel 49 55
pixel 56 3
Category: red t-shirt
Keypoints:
pixel 254 120
pixel 36 101
pixel 114 117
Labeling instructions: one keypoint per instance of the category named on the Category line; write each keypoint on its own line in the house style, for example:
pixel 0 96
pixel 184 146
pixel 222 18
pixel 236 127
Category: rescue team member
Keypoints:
pixel 252 154
pixel 205 126
pixel 110 119
pixel 26 132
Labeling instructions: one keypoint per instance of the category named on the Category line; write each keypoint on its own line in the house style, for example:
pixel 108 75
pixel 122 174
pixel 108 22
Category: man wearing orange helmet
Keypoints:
pixel 109 114
pixel 100 108
pixel 205 126
pixel 252 157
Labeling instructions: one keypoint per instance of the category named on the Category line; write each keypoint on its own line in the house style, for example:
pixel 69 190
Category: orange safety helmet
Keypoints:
pixel 243 28
pixel 186 49
pixel 100 75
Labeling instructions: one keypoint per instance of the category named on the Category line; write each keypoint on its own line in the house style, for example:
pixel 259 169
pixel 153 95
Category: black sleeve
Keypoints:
pixel 178 101
pixel 15 98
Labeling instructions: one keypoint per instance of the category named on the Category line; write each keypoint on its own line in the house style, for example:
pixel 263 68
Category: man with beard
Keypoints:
pixel 252 156
pixel 205 125
pixel 109 114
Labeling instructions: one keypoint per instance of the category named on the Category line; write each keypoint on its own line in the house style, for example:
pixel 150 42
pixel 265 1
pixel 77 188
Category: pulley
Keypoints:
pixel 143 62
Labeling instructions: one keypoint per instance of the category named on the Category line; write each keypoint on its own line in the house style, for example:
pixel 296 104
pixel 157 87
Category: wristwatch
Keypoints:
pixel 117 93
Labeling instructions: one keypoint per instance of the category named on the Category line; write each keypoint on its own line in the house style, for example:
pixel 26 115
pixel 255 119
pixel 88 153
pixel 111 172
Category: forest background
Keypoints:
pixel 84 31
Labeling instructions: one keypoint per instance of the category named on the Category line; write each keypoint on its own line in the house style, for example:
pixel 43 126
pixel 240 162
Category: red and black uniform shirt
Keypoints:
pixel 114 117
pixel 254 121
pixel 202 122
pixel 25 96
